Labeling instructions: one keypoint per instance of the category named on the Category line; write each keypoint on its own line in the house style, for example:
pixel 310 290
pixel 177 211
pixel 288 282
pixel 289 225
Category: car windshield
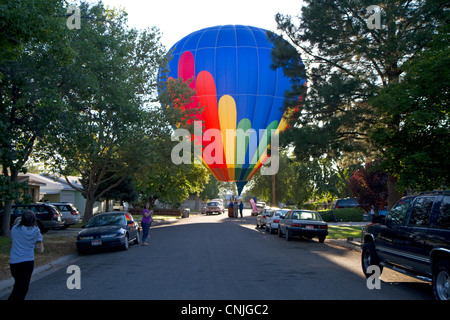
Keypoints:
pixel 305 215
pixel 347 202
pixel 107 220
pixel 281 212
pixel 213 204
pixel 62 207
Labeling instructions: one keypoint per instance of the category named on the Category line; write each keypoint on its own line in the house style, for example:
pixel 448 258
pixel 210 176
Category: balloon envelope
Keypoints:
pixel 230 69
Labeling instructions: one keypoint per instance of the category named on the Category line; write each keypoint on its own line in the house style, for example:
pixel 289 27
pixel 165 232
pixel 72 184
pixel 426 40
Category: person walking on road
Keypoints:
pixel 147 217
pixel 25 237
pixel 235 209
pixel 241 208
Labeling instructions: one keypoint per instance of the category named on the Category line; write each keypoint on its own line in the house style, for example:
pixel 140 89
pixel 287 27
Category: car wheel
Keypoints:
pixel 288 236
pixel 137 240
pixel 321 239
pixel 441 280
pixel 369 257
pixel 127 242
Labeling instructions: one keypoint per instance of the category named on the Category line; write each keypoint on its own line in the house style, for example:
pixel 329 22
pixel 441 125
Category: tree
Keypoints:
pixel 293 182
pixel 353 61
pixel 109 86
pixel 417 152
pixel 369 186
pixel 29 102
pixel 165 181
pixel 211 190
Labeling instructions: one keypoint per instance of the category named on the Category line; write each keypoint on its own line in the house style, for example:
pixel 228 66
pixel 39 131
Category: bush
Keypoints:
pixel 343 215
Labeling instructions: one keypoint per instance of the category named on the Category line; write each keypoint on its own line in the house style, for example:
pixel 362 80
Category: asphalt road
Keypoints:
pixel 218 258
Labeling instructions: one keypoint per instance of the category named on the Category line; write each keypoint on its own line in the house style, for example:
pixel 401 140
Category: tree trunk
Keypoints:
pixel 6 219
pixel 393 195
pixel 88 209
pixel 274 195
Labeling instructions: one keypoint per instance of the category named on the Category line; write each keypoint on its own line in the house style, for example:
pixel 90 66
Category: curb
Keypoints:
pixel 345 243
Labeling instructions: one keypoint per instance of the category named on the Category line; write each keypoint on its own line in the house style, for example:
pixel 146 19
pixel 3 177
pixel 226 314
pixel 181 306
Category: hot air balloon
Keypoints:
pixel 230 69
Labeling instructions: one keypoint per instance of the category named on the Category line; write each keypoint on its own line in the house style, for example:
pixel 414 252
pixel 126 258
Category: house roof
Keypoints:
pixel 53 185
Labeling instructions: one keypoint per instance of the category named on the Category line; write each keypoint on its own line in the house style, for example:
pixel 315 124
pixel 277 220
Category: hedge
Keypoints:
pixel 343 215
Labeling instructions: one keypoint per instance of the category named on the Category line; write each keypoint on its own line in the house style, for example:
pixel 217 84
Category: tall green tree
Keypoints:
pixel 350 60
pixel 414 114
pixel 109 88
pixel 32 46
pixel 166 181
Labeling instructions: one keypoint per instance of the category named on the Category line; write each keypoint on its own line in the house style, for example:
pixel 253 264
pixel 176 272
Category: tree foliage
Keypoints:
pixel 30 103
pixel 106 131
pixel 349 64
pixel 414 114
pixel 369 186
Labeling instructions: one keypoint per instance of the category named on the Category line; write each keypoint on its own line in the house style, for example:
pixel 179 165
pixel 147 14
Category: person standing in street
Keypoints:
pixel 147 217
pixel 25 237
pixel 241 208
pixel 230 209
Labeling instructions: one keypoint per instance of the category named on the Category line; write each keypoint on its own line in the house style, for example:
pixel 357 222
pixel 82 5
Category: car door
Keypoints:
pixel 387 242
pixel 414 233
pixel 285 222
pixel 438 236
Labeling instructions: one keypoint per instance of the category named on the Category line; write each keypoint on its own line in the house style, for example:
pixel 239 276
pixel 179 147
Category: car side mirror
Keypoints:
pixel 281 217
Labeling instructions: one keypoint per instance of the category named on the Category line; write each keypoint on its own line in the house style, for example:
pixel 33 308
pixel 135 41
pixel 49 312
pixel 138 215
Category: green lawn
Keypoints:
pixel 343 232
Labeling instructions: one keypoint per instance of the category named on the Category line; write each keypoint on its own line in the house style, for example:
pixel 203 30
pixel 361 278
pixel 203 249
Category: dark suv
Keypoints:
pixel 414 239
pixel 47 216
pixel 345 203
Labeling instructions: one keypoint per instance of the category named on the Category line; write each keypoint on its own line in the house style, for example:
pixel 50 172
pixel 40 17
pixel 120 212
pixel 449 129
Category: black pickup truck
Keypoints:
pixel 414 238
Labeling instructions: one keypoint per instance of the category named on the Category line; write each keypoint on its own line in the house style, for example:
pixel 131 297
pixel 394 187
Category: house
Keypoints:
pixel 46 188
pixel 33 186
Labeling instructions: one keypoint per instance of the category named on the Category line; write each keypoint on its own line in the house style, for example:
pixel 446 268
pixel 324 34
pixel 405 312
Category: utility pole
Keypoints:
pixel 274 199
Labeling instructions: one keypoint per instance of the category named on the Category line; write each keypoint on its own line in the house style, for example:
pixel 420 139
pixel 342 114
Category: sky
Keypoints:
pixel 178 18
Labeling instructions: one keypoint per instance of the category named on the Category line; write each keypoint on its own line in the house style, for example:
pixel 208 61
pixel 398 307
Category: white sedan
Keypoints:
pixel 273 221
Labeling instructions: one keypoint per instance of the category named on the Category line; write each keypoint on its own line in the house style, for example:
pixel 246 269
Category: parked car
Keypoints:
pixel 414 239
pixel 274 218
pixel 303 223
pixel 214 206
pixel 262 217
pixel 69 213
pixel 345 203
pixel 107 230
pixel 47 215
